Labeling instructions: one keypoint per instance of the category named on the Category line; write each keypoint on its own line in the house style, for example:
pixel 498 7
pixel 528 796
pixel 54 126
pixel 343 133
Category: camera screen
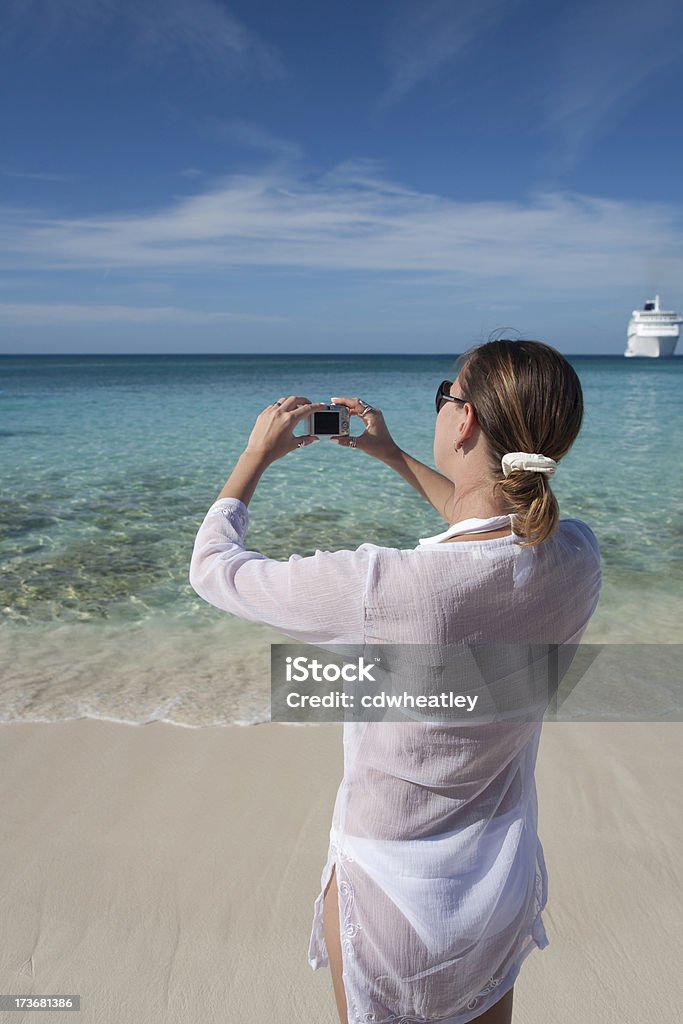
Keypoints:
pixel 326 423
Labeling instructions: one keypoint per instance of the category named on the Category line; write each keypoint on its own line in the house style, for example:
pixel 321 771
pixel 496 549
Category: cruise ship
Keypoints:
pixel 652 331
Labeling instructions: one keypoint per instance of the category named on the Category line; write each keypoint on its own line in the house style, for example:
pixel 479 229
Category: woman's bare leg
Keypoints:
pixel 331 931
pixel 499 1013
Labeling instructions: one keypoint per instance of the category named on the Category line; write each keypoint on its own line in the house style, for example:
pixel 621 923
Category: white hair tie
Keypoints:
pixel 528 460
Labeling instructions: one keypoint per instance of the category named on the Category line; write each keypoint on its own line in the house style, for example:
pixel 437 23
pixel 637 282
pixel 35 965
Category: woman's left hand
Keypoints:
pixel 272 435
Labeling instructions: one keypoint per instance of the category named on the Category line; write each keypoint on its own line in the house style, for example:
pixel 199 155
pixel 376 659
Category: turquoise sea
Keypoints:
pixel 109 463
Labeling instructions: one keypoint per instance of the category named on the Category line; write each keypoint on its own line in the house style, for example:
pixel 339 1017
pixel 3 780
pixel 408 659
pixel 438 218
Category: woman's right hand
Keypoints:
pixel 375 439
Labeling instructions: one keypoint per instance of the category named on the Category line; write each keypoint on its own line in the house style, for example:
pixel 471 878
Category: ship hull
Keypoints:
pixel 655 346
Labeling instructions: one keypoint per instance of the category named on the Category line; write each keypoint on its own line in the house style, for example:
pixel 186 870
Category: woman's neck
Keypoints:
pixel 473 509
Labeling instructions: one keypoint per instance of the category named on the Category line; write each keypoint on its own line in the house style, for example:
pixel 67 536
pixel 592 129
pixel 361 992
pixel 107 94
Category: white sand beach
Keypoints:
pixel 167 874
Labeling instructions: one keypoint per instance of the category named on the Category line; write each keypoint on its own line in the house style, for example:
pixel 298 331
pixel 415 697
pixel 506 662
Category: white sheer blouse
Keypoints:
pixel 440 871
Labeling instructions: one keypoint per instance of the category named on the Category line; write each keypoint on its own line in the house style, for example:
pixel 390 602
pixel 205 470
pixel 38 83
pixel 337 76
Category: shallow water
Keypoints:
pixel 109 463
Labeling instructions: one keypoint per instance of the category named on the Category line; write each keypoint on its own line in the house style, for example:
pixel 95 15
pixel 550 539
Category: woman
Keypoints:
pixel 435 880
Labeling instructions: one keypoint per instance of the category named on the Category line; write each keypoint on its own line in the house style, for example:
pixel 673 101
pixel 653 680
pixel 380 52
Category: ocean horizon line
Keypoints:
pixel 270 355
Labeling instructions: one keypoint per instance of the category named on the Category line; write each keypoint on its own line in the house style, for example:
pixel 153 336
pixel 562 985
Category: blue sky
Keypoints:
pixel 194 175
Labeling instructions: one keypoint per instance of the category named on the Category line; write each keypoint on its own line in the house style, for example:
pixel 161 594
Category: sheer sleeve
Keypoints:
pixel 317 599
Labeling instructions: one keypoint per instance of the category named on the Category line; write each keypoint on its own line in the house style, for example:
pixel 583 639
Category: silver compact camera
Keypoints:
pixel 333 419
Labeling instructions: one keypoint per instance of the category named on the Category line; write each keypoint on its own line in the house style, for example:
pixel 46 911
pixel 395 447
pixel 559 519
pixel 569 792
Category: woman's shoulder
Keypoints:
pixel 578 528
pixel 572 533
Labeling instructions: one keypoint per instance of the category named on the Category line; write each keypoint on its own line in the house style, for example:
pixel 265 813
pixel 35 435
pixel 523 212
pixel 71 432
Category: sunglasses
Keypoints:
pixel 442 395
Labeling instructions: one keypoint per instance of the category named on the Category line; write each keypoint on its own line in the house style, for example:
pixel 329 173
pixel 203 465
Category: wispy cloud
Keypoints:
pixel 596 59
pixel 351 219
pixel 54 313
pixel 250 135
pixel 604 58
pixel 156 31
pixel 422 38
pixel 6 172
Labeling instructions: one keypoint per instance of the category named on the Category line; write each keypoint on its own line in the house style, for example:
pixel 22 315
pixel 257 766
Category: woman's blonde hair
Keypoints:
pixel 527 398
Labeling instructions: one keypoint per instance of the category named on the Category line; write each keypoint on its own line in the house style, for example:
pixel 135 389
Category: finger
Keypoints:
pixel 348 402
pixel 352 404
pixel 343 439
pixel 285 401
pixel 300 411
pixel 292 401
pixel 307 439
